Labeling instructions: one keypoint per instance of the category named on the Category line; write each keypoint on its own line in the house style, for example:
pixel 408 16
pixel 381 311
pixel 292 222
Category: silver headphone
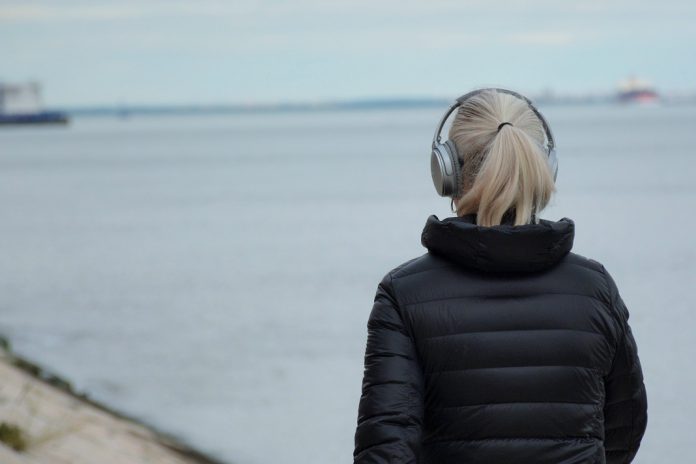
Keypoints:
pixel 445 164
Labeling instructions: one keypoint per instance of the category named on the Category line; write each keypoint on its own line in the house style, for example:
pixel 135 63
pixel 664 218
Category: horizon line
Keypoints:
pixel 334 104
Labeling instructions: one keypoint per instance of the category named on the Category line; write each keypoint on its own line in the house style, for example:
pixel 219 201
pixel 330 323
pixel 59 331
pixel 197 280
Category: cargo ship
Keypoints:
pixel 21 104
pixel 636 90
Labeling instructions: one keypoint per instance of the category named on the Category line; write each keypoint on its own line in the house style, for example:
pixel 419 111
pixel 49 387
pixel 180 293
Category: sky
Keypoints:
pixel 121 52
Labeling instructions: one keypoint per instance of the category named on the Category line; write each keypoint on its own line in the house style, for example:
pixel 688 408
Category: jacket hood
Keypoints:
pixel 500 248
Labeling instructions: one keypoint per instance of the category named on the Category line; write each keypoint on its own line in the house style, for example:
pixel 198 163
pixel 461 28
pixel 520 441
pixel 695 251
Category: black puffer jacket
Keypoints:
pixel 499 346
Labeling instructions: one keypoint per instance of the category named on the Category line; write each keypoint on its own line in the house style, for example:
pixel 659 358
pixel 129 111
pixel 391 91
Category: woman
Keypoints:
pixel 499 345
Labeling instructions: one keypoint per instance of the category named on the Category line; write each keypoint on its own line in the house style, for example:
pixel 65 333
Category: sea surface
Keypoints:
pixel 213 275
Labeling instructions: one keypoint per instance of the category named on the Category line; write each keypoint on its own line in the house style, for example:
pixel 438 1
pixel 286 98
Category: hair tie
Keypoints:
pixel 502 124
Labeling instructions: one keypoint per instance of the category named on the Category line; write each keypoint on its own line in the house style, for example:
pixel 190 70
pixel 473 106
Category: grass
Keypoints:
pixel 13 436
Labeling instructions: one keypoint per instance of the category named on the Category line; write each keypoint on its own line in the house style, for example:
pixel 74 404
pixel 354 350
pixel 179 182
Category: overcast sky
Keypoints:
pixel 239 51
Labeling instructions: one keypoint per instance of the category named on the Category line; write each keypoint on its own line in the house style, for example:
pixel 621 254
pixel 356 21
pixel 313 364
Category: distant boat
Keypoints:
pixel 636 90
pixel 21 104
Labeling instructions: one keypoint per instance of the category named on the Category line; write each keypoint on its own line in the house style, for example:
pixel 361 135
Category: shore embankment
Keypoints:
pixel 44 420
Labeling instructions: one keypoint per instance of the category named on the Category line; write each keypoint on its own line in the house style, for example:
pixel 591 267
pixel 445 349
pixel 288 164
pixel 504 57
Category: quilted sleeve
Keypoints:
pixel 626 406
pixel 390 412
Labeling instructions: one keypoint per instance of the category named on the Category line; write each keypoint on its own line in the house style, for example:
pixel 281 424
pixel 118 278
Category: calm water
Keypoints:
pixel 214 275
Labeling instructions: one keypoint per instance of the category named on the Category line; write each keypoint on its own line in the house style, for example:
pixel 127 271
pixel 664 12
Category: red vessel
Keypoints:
pixel 636 90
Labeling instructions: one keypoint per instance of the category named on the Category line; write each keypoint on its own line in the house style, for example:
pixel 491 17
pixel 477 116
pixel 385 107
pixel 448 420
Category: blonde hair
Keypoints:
pixel 504 172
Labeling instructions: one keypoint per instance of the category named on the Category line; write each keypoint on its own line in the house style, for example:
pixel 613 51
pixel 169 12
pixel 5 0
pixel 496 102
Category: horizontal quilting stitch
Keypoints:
pixel 479 440
pixel 455 334
pixel 397 277
pixel 383 414
pixel 492 297
pixel 389 382
pixel 509 367
pixel 507 403
pixel 388 355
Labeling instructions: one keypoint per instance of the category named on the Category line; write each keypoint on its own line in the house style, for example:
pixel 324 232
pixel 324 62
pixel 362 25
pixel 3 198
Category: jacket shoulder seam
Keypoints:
pixel 587 263
pixel 398 270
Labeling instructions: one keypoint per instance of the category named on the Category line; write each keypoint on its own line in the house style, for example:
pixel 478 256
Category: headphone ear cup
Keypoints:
pixel 438 169
pixel 444 168
pixel 456 167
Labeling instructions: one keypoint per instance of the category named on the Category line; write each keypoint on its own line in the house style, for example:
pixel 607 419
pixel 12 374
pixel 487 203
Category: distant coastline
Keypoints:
pixel 125 111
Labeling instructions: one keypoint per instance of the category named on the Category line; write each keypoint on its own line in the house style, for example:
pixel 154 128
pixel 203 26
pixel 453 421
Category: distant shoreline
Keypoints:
pixel 348 105
pixel 43 419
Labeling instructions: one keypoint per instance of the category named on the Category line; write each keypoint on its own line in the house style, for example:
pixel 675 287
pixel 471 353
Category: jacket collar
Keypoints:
pixel 500 248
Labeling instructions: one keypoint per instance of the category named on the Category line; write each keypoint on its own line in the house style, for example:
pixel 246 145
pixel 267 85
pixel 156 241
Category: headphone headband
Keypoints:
pixel 551 143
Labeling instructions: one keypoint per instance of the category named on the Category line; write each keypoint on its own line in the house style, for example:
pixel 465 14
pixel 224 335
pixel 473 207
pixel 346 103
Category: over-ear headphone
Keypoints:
pixel 445 164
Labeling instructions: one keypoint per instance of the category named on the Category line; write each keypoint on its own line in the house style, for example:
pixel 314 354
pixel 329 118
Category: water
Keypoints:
pixel 214 275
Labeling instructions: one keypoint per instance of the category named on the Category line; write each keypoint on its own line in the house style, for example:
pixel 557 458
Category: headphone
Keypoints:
pixel 445 164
